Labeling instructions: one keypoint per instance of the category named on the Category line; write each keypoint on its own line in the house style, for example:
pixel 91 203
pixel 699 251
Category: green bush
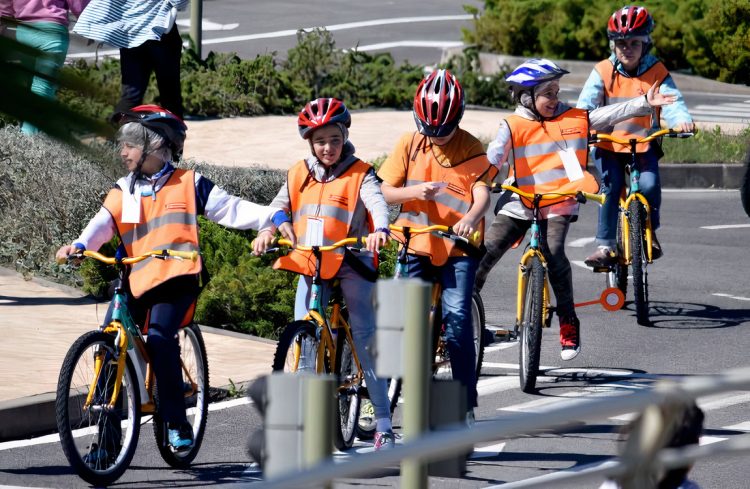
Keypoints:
pixel 707 37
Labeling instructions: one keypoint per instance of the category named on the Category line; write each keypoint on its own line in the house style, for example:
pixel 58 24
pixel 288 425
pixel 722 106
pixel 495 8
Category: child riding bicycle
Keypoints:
pixel 440 175
pixel 628 73
pixel 156 207
pixel 545 144
pixel 332 195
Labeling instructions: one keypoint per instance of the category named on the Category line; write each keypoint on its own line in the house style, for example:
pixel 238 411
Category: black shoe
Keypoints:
pixel 656 251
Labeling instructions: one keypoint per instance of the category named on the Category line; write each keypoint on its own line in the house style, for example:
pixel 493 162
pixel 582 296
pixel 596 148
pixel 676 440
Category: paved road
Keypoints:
pixel 410 30
pixel 701 316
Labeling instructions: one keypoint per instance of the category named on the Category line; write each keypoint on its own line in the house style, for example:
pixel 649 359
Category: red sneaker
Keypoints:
pixel 570 337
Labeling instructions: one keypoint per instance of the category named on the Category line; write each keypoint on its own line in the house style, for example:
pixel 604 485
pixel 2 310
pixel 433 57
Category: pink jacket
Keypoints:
pixel 42 10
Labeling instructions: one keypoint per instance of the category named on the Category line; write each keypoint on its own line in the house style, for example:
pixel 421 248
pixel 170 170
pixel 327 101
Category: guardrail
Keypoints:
pixel 642 456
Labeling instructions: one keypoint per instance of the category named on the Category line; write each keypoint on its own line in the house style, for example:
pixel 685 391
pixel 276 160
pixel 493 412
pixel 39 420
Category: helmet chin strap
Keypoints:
pixel 137 172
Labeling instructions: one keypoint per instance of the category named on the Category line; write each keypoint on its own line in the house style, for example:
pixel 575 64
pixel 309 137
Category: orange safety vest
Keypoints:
pixel 619 88
pixel 447 207
pixel 537 164
pixel 333 202
pixel 168 221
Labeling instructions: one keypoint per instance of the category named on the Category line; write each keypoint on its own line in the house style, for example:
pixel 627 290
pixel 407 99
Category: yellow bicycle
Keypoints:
pixel 533 309
pixel 634 232
pixel 106 383
pixel 322 343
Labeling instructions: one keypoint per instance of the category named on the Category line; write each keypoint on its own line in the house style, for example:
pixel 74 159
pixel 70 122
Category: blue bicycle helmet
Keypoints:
pixel 531 73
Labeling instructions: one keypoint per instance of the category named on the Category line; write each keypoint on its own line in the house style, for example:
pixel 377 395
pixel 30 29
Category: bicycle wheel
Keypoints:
pixel 531 325
pixel 441 360
pixel 347 396
pixel 618 277
pixel 478 325
pixel 99 442
pixel 297 349
pixel 195 369
pixel 637 218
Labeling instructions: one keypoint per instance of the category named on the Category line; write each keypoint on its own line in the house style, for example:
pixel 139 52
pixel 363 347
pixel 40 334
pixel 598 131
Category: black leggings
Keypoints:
pixel 505 231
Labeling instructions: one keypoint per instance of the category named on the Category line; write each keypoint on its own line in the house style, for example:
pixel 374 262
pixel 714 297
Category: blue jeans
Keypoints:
pixel 456 277
pixel 612 166
pixel 358 295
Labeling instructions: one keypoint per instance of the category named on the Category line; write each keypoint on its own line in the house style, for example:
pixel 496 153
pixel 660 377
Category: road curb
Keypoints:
pixel 700 175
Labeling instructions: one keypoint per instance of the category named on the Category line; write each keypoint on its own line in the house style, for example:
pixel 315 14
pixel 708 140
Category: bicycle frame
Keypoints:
pixel 327 328
pixel 129 338
pixel 534 249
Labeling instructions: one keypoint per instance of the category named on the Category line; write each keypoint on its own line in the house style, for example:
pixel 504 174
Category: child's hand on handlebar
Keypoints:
pixel 64 252
pixel 287 231
pixel 375 240
pixel 262 242
pixel 684 127
pixel 464 227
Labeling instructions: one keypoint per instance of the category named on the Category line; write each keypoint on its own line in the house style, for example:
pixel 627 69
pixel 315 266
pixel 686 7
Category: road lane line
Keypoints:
pixel 408 44
pixel 581 242
pixel 726 226
pixel 739 298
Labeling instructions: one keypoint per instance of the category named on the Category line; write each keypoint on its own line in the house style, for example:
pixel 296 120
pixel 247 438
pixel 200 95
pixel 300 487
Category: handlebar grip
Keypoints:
pixel 188 255
pixel 599 198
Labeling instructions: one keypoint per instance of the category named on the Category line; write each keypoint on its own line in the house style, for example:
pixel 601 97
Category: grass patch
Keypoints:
pixel 709 146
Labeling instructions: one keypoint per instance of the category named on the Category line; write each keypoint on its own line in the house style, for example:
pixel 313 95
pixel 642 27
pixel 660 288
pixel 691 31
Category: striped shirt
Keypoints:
pixel 128 23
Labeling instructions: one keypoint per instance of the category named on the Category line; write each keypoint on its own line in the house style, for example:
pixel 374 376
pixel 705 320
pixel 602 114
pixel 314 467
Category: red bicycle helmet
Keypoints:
pixel 628 22
pixel 161 121
pixel 438 104
pixel 322 112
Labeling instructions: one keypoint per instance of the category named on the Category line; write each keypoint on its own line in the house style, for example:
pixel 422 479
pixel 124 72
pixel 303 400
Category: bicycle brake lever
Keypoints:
pixel 580 198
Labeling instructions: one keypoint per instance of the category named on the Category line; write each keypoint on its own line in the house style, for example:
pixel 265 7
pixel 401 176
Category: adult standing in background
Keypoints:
pixel 43 25
pixel 149 42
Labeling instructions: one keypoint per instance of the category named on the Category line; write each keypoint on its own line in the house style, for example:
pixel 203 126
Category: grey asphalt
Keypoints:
pixel 39 308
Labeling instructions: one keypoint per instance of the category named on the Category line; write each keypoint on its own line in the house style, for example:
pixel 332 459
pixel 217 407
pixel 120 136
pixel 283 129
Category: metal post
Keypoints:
pixel 196 25
pixel 416 378
pixel 318 424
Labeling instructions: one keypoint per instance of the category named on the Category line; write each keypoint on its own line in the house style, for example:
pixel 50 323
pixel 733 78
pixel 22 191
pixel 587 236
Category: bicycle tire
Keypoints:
pixel 637 215
pixel 347 398
pixel 530 337
pixel 285 359
pixel 99 443
pixel 620 270
pixel 195 361
pixel 479 326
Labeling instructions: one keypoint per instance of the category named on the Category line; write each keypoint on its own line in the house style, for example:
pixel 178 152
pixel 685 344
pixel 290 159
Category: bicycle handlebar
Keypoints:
pixel 163 254
pixel 580 195
pixel 446 231
pixel 331 247
pixel 670 133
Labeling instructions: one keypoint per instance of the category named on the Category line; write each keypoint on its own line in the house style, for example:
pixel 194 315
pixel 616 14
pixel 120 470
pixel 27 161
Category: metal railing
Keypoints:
pixel 642 457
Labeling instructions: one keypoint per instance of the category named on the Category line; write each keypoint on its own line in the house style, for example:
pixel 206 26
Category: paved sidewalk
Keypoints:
pixel 40 320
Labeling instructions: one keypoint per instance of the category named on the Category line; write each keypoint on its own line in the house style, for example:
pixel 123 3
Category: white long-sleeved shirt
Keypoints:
pixel 500 153
pixel 212 202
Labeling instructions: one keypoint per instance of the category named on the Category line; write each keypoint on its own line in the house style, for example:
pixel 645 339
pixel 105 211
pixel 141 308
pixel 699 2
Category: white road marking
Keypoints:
pixel 208 25
pixel 491 385
pixel 580 263
pixel 293 32
pixel 726 226
pixel 501 346
pixel 488 451
pixel 513 366
pixel 739 298
pixel 581 242
pixel 558 475
pixel 744 426
pixel 218 406
pixel 710 403
pixel 408 44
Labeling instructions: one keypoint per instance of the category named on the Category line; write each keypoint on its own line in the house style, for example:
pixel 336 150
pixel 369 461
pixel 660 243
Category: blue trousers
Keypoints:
pixel 358 295
pixel 456 277
pixel 611 165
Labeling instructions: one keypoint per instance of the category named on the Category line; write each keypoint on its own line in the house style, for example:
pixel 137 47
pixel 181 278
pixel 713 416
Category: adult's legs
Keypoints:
pixel 457 279
pixel 500 236
pixel 51 38
pixel 135 71
pixel 165 55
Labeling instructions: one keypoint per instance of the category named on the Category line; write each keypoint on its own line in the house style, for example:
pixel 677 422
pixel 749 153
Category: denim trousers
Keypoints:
pixel 456 277
pixel 359 298
pixel 612 166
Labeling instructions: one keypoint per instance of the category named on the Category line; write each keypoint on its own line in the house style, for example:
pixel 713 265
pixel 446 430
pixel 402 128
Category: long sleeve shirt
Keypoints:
pixel 212 202
pixel 128 23
pixel 500 153
pixel 42 10
pixel 592 95
pixel 370 196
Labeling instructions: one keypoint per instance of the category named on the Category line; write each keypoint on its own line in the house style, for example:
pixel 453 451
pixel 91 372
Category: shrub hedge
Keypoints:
pixel 707 37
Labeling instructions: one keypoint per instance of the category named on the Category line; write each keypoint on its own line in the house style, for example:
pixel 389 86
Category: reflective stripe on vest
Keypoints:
pixel 625 88
pixel 334 202
pixel 447 207
pixel 538 166
pixel 168 221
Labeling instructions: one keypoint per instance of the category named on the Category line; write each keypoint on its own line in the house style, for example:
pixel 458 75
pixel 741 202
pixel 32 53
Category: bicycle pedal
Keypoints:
pixel 602 269
pixel 504 334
